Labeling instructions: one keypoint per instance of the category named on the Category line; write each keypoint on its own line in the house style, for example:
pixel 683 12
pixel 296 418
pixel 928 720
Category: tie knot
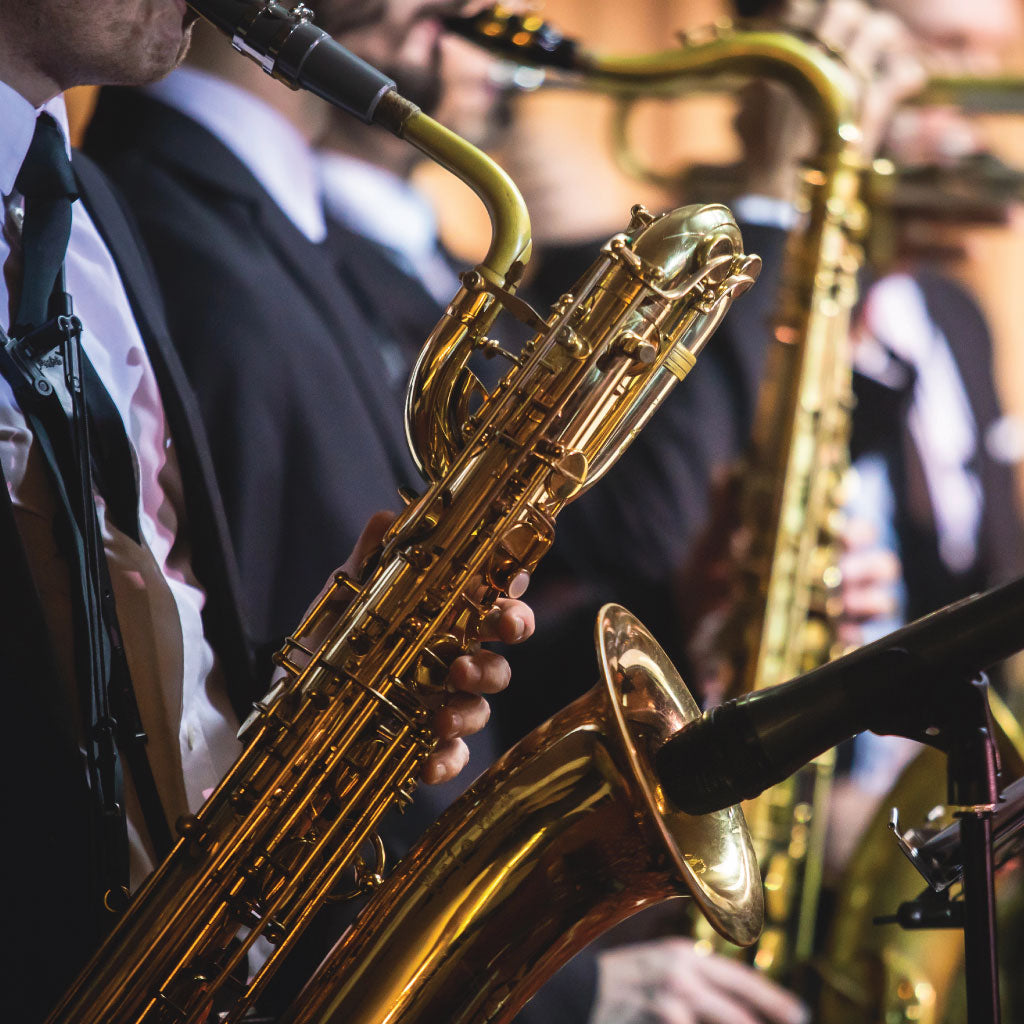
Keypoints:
pixel 46 172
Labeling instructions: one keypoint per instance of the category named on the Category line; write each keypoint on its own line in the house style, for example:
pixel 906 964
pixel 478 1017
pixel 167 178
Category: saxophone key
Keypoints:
pixel 432 666
pixel 639 349
pixel 568 476
pixel 517 553
pixel 410 628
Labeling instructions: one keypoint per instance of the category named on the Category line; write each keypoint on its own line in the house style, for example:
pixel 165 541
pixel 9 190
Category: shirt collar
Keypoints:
pixel 17 126
pixel 263 139
pixel 379 205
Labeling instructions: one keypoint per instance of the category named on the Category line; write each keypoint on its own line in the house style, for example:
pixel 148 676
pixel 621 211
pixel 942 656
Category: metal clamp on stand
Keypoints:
pixel 29 351
pixel 967 737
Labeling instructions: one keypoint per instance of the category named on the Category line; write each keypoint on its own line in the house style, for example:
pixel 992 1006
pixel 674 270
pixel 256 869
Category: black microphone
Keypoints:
pixel 897 685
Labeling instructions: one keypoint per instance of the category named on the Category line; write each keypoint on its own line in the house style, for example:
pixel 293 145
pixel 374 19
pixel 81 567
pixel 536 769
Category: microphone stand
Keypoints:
pixel 972 769
pixel 920 682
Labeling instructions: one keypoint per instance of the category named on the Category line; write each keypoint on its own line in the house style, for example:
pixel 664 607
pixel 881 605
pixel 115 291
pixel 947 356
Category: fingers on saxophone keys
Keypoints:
pixel 481 672
pixel 445 762
pixel 509 621
pixel 462 715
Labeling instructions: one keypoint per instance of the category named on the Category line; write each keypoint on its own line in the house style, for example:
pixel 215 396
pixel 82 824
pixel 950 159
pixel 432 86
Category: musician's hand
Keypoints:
pixel 670 981
pixel 462 711
pixel 870 574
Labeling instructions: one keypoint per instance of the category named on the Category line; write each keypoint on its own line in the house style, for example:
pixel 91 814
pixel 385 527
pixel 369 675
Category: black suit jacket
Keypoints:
pixel 53 918
pixel 305 426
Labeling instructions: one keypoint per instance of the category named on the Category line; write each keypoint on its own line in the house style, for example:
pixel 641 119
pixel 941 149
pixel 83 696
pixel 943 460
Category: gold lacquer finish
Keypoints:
pixel 562 838
pixel 341 736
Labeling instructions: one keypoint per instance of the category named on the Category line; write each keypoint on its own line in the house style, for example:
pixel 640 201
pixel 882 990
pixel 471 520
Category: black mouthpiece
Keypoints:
pixel 290 47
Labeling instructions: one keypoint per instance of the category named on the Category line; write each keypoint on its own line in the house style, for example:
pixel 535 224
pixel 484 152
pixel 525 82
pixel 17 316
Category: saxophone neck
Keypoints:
pixel 510 221
pixel 730 56
pixel 720 57
pixel 288 46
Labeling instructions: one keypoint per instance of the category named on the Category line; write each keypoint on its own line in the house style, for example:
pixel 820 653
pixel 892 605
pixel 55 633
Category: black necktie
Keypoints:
pixel 48 185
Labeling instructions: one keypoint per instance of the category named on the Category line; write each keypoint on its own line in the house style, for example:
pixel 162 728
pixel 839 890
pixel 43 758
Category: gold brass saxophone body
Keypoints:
pixel 341 735
pixel 779 624
pixel 565 836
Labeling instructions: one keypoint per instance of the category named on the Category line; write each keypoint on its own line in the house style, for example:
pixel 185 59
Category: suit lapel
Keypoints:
pixel 208 532
pixel 405 310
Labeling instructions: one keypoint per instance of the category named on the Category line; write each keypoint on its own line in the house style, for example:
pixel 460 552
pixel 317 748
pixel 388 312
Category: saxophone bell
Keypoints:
pixel 572 820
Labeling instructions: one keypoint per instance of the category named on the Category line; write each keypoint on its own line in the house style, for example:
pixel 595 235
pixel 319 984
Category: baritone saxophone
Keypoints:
pixel 341 736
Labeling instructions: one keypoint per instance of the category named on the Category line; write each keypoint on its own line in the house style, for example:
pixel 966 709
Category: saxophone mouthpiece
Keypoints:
pixel 288 46
pixel 522 38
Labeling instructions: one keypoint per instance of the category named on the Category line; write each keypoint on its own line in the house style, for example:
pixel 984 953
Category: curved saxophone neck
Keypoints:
pixel 820 80
pixel 510 221
pixel 727 54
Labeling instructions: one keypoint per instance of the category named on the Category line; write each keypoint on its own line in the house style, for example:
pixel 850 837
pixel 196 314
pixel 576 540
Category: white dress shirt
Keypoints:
pixel 276 153
pixel 388 210
pixel 182 700
pixel 939 419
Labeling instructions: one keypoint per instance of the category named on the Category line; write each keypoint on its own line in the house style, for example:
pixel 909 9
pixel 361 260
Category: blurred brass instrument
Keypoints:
pixel 870 973
pixel 341 736
pixel 975 94
pixel 780 622
pixel 975 187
